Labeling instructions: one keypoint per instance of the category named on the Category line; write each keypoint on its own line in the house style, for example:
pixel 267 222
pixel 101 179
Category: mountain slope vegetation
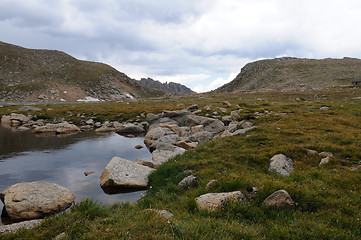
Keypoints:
pixel 49 75
pixel 290 74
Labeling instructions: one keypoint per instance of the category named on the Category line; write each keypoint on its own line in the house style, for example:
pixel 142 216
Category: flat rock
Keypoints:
pixel 280 198
pixel 31 200
pixel 11 228
pixel 162 156
pixel 59 128
pixel 281 164
pixel 122 173
pixel 29 108
pixel 214 201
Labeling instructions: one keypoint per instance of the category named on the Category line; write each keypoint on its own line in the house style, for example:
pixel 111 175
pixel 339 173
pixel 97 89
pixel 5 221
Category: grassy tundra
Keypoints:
pixel 327 198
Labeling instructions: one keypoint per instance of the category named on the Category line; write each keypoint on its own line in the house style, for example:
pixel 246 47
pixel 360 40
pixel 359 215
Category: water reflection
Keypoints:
pixel 63 160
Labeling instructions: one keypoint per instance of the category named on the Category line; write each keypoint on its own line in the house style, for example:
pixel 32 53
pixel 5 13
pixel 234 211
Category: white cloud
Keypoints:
pixel 185 41
pixel 214 84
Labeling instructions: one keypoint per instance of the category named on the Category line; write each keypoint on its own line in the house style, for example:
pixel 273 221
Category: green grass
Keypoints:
pixel 327 198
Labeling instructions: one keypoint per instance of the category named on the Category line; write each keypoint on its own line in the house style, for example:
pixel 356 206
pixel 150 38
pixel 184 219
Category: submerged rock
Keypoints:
pixel 59 128
pixel 123 173
pixel 31 200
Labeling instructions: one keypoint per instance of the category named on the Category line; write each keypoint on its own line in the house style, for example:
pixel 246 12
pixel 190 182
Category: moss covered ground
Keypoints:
pixel 327 198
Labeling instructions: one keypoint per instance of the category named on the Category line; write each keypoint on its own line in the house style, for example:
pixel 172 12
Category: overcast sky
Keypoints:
pixel 200 43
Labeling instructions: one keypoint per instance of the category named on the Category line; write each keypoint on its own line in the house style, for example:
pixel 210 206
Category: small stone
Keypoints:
pixel 192 107
pixel 326 154
pixel 88 173
pixel 61 236
pixel 139 147
pixel 280 198
pixel 188 182
pixel 211 183
pixel 324 161
pixel 226 103
pixel 310 151
pixel 163 213
pixel 324 108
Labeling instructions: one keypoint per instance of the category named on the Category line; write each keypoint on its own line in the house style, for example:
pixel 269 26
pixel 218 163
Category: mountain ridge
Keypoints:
pixel 52 75
pixel 294 74
pixel 175 88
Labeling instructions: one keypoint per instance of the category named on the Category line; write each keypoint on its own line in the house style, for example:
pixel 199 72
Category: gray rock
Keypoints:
pixel 324 161
pixel 187 145
pixel 201 137
pixel 163 213
pixel 157 133
pixel 247 124
pixel 227 120
pixel 89 122
pixel 281 164
pixel 122 173
pixel 211 183
pixel 226 103
pixel 171 139
pixel 214 201
pixel 223 110
pixel 188 182
pixel 324 108
pixel 161 156
pixel 326 154
pixel 20 117
pixel 242 131
pixel 280 198
pixel 192 107
pixel 31 200
pixel 232 127
pixel 12 228
pixel 5 120
pixel 29 108
pixel 132 128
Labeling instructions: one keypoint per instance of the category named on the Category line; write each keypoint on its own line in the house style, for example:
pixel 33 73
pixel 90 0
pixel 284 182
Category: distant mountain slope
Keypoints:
pixel 171 87
pixel 289 74
pixel 49 75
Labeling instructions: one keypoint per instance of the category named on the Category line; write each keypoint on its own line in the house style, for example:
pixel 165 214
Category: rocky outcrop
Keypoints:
pixel 171 87
pixel 122 173
pixel 281 164
pixel 280 198
pixel 31 200
pixel 214 201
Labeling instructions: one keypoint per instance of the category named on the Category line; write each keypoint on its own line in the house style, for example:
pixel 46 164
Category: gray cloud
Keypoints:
pixel 195 38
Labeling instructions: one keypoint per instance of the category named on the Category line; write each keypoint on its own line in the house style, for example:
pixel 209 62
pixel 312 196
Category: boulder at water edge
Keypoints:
pixel 31 200
pixel 123 173
pixel 214 201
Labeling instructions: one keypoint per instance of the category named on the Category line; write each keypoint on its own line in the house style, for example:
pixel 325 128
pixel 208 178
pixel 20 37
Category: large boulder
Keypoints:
pixel 209 124
pixel 280 198
pixel 161 156
pixel 123 173
pixel 281 164
pixel 31 200
pixel 158 132
pixel 214 201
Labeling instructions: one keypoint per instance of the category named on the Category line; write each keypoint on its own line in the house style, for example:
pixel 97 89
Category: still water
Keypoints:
pixel 26 157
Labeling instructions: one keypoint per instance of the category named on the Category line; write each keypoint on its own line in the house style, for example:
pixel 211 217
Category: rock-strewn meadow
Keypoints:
pixel 316 133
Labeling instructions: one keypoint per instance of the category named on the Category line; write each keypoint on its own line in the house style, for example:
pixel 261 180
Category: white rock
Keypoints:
pixel 281 164
pixel 214 201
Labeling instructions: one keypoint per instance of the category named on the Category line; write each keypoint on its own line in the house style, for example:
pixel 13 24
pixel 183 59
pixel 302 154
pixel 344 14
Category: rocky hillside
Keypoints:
pixel 48 75
pixel 287 74
pixel 174 88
